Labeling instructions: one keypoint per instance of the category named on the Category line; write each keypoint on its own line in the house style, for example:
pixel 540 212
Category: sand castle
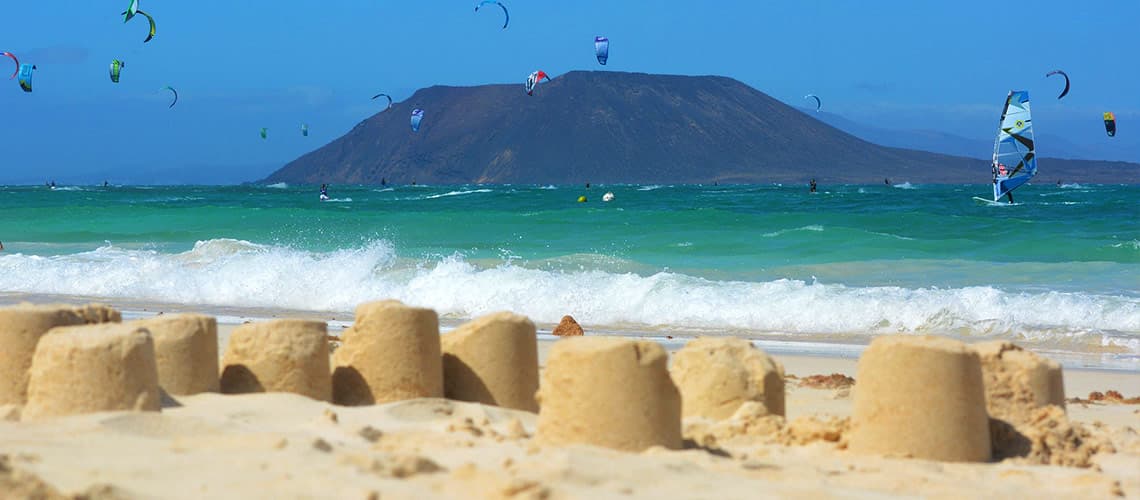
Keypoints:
pixel 492 360
pixel 20 330
pixel 391 352
pixel 920 397
pixel 608 392
pixel 285 355
pixel 717 375
pixel 92 368
pixel 186 352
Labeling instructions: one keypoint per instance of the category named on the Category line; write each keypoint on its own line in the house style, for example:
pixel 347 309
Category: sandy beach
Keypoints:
pixel 283 445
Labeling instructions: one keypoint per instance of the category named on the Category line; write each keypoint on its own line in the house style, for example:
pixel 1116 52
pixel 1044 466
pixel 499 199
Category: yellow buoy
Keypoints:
pixel 581 199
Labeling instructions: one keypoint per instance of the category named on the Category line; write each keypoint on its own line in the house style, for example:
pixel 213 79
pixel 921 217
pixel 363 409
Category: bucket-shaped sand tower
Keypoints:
pixel 717 375
pixel 92 368
pixel 21 327
pixel 1018 381
pixel 391 353
pixel 284 355
pixel 920 397
pixel 608 392
pixel 186 350
pixel 492 360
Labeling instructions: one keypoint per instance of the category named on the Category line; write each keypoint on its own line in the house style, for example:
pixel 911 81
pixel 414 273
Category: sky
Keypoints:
pixel 241 65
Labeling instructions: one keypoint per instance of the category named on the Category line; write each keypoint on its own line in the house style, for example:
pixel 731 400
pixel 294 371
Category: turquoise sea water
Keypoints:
pixel 1060 269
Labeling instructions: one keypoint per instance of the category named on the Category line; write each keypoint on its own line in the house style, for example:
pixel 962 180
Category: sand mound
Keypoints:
pixel 751 420
pixel 285 355
pixel 568 327
pixel 811 429
pixel 92 368
pixel 21 327
pixel 717 375
pixel 492 360
pixel 186 350
pixel 609 392
pixel 98 313
pixel 391 353
pixel 920 397
pixel 1047 437
pixel 833 381
pixel 17 483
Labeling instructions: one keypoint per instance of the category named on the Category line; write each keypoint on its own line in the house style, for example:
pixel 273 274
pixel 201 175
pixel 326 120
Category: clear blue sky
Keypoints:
pixel 240 65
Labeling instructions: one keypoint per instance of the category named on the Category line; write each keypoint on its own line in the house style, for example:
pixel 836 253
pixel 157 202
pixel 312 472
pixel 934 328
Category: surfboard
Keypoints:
pixel 992 202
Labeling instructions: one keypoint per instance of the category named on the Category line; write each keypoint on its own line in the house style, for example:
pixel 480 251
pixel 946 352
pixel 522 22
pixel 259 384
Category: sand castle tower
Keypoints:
pixel 608 392
pixel 717 375
pixel 186 351
pixel 285 355
pixel 92 368
pixel 1018 381
pixel 920 397
pixel 391 353
pixel 492 360
pixel 21 327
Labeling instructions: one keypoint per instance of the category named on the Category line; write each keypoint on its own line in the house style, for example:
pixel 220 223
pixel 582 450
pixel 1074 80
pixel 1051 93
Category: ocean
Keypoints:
pixel 1058 271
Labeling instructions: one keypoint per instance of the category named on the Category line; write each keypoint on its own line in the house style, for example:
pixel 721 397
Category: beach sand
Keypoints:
pixel 280 445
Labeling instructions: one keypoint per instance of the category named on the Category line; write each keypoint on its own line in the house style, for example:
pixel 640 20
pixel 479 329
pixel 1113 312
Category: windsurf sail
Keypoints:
pixel 1015 157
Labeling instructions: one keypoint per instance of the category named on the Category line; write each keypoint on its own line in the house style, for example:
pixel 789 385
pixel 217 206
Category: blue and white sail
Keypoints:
pixel 1015 159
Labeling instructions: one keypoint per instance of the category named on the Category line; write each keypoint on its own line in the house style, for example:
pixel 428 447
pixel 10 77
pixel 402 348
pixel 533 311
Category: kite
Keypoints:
pixel 175 101
pixel 1062 73
pixel 602 49
pixel 818 103
pixel 384 95
pixel 1110 124
pixel 13 56
pixel 26 76
pixel 417 116
pixel 305 129
pixel 132 9
pixel 533 79
pixel 150 35
pixel 504 7
pixel 116 68
pixel 264 132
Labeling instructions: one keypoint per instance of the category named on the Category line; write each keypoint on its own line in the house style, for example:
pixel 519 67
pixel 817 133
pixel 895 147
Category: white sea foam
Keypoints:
pixel 456 193
pixel 813 228
pixel 237 273
pixel 649 188
pixel 278 185
pixel 905 185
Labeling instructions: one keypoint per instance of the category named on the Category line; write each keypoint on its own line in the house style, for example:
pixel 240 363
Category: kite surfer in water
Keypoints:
pixel 324 192
pixel 812 184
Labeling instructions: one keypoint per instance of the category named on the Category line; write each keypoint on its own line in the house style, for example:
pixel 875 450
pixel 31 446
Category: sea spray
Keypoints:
pixel 227 272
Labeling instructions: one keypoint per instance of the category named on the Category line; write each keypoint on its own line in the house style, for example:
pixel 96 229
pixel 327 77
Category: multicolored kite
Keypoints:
pixel 533 79
pixel 602 49
pixel 417 116
pixel 116 68
pixel 26 76
pixel 1110 124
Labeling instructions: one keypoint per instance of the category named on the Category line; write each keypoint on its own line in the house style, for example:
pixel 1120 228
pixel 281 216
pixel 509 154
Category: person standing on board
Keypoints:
pixel 812 184
pixel 1001 174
